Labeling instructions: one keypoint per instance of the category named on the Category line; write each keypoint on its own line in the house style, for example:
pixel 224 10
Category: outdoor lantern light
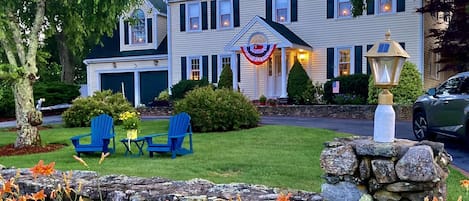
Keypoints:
pixel 386 59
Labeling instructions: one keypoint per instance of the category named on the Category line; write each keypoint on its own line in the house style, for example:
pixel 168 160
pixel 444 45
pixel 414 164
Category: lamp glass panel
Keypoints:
pixel 383 70
pixel 399 67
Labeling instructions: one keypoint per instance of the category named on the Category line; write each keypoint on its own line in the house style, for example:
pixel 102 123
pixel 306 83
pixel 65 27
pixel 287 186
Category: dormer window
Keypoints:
pixel 138 27
pixel 281 11
pixel 225 16
pixel 194 17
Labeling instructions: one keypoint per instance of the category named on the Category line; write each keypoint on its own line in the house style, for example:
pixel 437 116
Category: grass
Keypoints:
pixel 278 156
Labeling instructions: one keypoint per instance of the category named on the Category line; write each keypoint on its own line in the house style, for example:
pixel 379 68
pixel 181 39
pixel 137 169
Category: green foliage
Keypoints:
pixel 105 102
pixel 10 72
pixel 218 110
pixel 298 83
pixel 406 92
pixel 7 100
pixel 357 7
pixel 226 78
pixel 262 99
pixel 163 96
pixel 56 92
pixel 349 99
pixel 180 89
pixel 349 84
pixel 314 94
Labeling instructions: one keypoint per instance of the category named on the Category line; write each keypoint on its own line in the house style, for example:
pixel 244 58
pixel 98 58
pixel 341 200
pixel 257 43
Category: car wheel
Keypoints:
pixel 420 126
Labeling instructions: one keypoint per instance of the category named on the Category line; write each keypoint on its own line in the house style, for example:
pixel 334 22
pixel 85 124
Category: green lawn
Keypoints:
pixel 276 156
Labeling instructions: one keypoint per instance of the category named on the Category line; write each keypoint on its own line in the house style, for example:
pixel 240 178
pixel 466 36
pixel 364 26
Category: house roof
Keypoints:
pixel 110 48
pixel 286 32
pixel 160 5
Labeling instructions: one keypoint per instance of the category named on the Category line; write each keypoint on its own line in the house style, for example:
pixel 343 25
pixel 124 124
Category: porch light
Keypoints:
pixel 386 59
pixel 301 55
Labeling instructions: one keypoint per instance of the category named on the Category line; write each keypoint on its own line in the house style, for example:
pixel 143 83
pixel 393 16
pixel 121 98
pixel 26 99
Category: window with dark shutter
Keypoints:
pixel 126 32
pixel 236 13
pixel 330 9
pixel 204 16
pixel 358 59
pixel 268 10
pixel 330 63
pixel 294 10
pixel 150 30
pixel 368 67
pixel 183 68
pixel 370 7
pixel 238 58
pixel 213 14
pixel 182 17
pixel 205 67
pixel 214 68
pixel 400 5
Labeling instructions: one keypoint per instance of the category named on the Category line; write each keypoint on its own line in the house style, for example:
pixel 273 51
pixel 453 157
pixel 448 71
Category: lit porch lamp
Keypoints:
pixel 386 59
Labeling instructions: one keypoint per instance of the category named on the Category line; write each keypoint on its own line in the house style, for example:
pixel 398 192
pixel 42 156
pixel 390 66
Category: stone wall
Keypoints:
pixel 329 111
pixel 125 188
pixel 357 168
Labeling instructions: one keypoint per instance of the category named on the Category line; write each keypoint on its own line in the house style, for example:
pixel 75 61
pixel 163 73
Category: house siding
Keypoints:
pixel 161 29
pixel 312 26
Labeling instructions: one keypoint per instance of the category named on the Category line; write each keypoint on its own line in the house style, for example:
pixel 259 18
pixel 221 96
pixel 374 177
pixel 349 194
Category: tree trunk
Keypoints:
pixel 68 70
pixel 27 117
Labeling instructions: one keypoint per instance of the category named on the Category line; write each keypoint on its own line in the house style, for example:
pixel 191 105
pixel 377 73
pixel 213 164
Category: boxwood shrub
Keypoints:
pixel 218 110
pixel 105 102
pixel 406 92
pixel 180 89
pixel 355 84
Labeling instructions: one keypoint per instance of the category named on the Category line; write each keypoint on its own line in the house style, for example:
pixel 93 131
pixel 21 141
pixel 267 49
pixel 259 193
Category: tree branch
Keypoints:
pixel 13 24
pixel 34 40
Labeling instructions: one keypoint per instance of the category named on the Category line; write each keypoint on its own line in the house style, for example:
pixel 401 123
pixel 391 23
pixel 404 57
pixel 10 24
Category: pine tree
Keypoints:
pixel 226 78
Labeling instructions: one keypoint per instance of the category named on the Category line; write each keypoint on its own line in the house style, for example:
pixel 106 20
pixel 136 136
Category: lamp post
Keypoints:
pixel 386 59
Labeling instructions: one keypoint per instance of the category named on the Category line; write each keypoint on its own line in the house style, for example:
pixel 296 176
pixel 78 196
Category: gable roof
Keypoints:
pixel 160 5
pixel 283 35
pixel 110 48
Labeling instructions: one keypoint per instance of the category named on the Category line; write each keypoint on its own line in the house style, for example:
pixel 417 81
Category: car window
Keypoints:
pixel 465 86
pixel 450 87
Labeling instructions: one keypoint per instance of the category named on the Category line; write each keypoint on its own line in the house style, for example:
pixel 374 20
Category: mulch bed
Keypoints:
pixel 9 150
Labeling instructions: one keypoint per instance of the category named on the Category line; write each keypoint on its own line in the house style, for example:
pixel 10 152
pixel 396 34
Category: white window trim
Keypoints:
pixel 143 46
pixel 336 11
pixel 220 63
pixel 189 67
pixel 393 9
pixel 188 23
pixel 219 15
pixel 274 12
pixel 434 66
pixel 336 60
pixel 145 26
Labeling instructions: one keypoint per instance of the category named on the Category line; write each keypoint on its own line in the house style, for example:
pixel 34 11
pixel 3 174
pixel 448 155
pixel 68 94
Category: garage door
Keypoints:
pixel 151 84
pixel 113 81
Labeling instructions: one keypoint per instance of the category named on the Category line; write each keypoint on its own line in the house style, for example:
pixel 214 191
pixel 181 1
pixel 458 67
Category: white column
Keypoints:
pixel 384 124
pixel 136 88
pixel 284 73
pixel 234 69
pixel 170 49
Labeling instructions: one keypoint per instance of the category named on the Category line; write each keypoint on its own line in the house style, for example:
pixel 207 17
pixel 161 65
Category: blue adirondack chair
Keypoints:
pixel 102 132
pixel 179 128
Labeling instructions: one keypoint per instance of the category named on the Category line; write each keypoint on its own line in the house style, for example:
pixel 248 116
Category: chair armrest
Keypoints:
pixel 149 138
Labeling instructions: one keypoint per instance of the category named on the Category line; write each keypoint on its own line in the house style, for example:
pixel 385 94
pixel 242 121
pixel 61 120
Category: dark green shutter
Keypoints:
pixel 213 14
pixel 330 9
pixel 126 32
pixel 400 5
pixel 214 69
pixel 149 30
pixel 182 17
pixel 370 7
pixel 238 57
pixel 268 10
pixel 236 13
pixel 358 59
pixel 204 16
pixel 368 67
pixel 183 68
pixel 402 45
pixel 205 67
pixel 330 63
pixel 294 10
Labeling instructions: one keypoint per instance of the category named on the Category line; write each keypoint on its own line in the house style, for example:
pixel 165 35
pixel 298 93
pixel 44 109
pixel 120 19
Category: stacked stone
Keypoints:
pixel 358 168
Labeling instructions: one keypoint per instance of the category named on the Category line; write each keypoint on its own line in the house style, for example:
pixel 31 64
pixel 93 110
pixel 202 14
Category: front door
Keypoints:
pixel 274 77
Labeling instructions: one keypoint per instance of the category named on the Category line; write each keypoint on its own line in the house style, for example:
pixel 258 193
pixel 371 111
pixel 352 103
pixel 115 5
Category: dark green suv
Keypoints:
pixel 443 110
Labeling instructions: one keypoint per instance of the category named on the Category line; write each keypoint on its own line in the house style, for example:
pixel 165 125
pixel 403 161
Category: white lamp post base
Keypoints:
pixel 384 124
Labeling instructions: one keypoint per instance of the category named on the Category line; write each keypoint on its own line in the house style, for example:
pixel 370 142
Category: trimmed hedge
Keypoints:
pixel 56 92
pixel 355 84
pixel 406 92
pixel 218 110
pixel 105 102
pixel 226 78
pixel 180 89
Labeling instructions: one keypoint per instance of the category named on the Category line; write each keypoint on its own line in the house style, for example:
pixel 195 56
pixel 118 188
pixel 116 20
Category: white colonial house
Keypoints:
pixel 135 59
pixel 260 40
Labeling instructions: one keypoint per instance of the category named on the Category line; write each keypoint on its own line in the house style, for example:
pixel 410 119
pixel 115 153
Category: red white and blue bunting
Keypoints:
pixel 258 53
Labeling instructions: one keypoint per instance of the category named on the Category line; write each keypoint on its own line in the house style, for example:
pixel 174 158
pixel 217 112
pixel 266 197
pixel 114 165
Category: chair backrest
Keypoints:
pixel 178 125
pixel 101 126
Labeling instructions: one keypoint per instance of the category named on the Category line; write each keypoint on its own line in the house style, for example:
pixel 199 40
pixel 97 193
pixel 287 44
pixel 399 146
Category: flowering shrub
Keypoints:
pixel 130 120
